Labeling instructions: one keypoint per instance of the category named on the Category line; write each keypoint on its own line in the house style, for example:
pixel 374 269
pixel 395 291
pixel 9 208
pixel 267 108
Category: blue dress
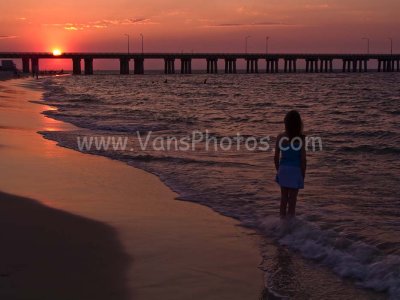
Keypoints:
pixel 289 172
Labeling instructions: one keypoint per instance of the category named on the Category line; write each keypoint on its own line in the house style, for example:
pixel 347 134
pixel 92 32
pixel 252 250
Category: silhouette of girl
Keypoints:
pixel 290 162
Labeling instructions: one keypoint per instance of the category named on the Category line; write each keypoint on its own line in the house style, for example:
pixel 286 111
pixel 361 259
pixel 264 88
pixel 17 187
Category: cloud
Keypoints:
pixel 4 37
pixel 102 24
pixel 106 23
pixel 317 6
pixel 250 24
pixel 174 12
pixel 72 28
pixel 245 10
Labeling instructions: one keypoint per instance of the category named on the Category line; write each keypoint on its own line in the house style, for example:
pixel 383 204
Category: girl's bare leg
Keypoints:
pixel 292 195
pixel 284 201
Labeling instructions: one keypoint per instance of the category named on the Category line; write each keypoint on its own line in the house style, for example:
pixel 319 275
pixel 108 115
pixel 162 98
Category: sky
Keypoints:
pixel 200 25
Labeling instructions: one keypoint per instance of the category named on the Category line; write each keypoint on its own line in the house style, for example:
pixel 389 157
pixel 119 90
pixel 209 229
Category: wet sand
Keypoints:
pixel 177 250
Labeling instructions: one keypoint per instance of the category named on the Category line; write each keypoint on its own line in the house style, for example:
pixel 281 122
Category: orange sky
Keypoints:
pixel 199 25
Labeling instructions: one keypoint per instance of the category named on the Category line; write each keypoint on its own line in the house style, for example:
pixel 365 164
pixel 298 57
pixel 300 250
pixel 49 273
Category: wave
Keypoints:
pixel 370 149
pixel 353 259
pixel 67 139
pixel 366 134
pixel 395 112
pixel 147 157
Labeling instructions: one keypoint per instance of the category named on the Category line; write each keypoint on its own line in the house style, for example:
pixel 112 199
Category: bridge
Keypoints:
pixel 314 63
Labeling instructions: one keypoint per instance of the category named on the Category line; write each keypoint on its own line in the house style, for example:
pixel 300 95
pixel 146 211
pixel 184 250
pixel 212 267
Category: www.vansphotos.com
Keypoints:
pixel 193 142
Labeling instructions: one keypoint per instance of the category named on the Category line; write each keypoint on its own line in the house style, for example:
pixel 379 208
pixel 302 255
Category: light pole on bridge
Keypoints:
pixel 391 45
pixel 142 41
pixel 367 39
pixel 128 41
pixel 266 44
pixel 245 42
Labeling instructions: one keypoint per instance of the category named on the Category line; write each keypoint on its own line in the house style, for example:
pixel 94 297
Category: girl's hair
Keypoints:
pixel 293 124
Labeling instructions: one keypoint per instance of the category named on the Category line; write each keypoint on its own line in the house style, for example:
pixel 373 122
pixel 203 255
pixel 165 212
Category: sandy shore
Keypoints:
pixel 177 250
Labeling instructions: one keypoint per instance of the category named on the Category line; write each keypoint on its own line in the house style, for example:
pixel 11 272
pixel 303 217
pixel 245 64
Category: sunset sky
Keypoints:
pixel 199 25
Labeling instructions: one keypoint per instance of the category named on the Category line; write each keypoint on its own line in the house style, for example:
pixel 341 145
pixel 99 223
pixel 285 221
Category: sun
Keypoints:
pixel 57 52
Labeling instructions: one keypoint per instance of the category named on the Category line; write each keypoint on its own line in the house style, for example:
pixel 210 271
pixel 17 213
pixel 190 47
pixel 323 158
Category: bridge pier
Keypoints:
pixel 186 66
pixel 312 65
pixel 272 65
pixel 88 65
pixel 388 65
pixel 290 65
pixel 124 66
pixel 309 66
pixel 76 66
pixel 349 65
pixel 25 65
pixel 346 65
pixel 362 65
pixel 326 65
pixel 391 65
pixel 355 65
pixel 294 62
pixel 138 66
pixel 212 65
pixel 35 65
pixel 227 63
pixel 365 65
pixel 252 65
pixel 382 65
pixel 230 65
pixel 169 65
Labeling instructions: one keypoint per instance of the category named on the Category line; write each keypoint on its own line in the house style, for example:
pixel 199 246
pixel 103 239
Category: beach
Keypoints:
pixel 99 227
pixel 193 150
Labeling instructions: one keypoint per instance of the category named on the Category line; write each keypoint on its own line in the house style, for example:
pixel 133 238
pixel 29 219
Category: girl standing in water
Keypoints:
pixel 290 162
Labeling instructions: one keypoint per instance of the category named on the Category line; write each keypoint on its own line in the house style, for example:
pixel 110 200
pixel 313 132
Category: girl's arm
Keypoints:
pixel 303 159
pixel 277 152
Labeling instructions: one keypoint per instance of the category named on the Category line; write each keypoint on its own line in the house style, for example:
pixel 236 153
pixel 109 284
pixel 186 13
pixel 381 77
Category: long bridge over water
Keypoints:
pixel 313 62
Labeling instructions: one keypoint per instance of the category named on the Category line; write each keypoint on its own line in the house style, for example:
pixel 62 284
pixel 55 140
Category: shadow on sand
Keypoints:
pixel 49 254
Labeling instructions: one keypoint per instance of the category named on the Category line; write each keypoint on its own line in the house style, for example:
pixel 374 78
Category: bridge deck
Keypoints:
pixel 118 55
pixel 315 62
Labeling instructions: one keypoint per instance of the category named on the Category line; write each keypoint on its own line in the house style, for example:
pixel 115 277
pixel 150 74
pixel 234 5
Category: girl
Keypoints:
pixel 290 162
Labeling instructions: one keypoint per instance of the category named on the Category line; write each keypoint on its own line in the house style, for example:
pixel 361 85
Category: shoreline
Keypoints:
pixel 179 249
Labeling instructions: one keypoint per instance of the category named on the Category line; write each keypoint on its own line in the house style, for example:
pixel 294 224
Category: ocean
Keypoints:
pixel 347 229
